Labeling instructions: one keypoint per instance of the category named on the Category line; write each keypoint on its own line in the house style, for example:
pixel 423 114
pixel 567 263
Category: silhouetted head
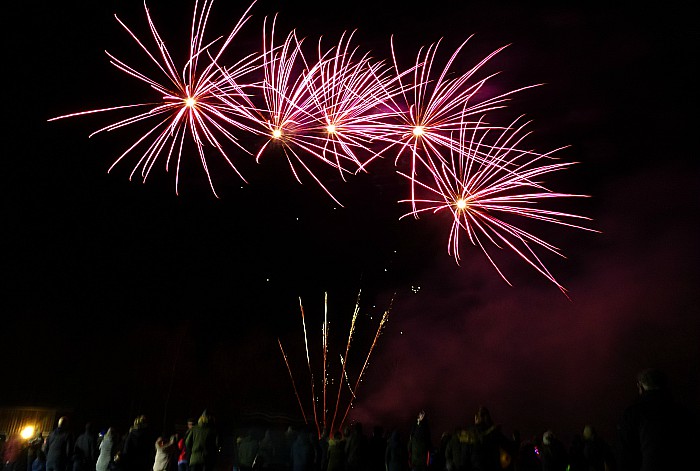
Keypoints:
pixel 140 421
pixel 483 417
pixel 395 437
pixel 651 379
pixel 548 437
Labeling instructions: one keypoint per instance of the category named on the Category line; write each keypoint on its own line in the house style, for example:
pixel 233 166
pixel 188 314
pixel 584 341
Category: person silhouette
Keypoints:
pixel 656 432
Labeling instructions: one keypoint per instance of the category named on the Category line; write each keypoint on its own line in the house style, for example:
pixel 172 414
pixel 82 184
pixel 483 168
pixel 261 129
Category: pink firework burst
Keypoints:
pixel 350 95
pixel 287 112
pixel 486 180
pixel 433 109
pixel 200 102
pixel 323 110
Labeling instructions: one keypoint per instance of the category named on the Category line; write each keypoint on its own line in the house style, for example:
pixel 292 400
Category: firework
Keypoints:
pixel 351 96
pixel 190 103
pixel 486 179
pixel 342 108
pixel 344 361
pixel 322 420
pixel 432 109
pixel 308 362
pixel 353 391
pixel 323 109
pixel 286 115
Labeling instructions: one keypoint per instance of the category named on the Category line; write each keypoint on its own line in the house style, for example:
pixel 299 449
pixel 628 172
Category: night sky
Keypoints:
pixel 122 298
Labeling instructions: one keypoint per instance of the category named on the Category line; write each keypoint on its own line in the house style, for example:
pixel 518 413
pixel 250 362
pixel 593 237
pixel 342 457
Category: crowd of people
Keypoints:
pixel 654 434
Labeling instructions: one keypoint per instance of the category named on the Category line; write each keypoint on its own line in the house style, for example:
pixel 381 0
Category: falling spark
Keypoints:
pixel 198 103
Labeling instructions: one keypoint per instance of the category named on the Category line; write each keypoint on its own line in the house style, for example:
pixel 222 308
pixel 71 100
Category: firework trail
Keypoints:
pixel 345 359
pixel 190 102
pixel 291 376
pixel 325 353
pixel 382 323
pixel 308 362
pixel 344 378
pixel 488 177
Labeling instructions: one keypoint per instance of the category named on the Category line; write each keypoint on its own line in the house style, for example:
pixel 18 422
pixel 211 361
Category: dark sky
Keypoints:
pixel 121 297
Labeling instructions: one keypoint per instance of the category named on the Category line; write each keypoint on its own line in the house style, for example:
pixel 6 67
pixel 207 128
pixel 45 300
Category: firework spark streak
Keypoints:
pixel 325 353
pixel 344 378
pixel 190 103
pixel 486 177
